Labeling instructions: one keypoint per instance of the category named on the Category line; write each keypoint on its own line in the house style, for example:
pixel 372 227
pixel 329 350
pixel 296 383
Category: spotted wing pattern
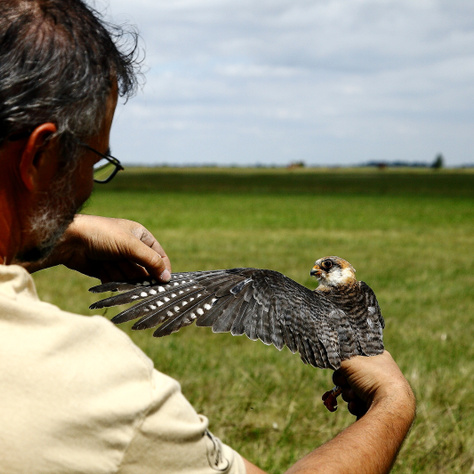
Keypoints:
pixel 262 304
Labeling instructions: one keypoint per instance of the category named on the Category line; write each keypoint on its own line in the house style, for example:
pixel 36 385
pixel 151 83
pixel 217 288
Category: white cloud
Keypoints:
pixel 313 80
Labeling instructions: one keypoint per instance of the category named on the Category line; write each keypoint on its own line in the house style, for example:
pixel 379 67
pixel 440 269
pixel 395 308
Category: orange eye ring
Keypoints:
pixel 327 264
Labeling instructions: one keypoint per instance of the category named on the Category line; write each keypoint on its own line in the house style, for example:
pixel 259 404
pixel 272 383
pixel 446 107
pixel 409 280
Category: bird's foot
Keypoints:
pixel 330 398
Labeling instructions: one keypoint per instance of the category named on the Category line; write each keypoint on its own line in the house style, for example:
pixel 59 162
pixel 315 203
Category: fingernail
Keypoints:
pixel 165 276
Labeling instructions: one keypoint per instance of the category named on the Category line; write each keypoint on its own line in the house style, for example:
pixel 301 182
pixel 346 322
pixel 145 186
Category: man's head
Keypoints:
pixel 58 63
pixel 61 70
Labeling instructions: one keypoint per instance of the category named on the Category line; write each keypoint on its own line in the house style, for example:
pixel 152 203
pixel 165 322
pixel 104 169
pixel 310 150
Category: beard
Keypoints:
pixel 50 218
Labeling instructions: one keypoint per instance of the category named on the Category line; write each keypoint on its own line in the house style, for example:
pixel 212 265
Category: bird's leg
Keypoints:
pixel 330 398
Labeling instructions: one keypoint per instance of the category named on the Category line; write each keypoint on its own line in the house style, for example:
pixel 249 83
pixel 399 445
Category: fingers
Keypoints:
pixel 355 404
pixel 339 379
pixel 357 408
pixel 148 239
pixel 151 254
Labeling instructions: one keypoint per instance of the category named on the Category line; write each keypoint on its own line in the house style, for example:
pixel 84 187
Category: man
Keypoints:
pixel 77 395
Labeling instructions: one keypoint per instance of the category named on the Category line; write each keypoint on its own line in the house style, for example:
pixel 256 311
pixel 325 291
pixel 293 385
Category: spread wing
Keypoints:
pixel 262 304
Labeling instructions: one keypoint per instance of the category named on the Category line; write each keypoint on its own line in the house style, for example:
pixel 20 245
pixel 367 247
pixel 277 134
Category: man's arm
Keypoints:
pixel 108 249
pixel 118 249
pixel 370 445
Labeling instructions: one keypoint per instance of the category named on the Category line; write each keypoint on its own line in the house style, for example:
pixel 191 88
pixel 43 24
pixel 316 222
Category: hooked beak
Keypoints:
pixel 316 271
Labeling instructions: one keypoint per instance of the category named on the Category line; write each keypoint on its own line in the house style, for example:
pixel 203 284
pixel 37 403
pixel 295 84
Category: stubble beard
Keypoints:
pixel 51 217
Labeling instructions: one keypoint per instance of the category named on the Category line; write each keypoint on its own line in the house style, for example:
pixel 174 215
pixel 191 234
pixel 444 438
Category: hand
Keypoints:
pixel 379 394
pixel 110 249
pixel 366 380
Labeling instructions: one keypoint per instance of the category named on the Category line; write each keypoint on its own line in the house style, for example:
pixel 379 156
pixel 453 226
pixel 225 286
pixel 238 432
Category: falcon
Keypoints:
pixel 337 282
pixel 338 320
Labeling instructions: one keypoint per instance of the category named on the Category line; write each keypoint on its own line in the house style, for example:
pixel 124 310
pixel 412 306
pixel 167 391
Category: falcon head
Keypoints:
pixel 333 271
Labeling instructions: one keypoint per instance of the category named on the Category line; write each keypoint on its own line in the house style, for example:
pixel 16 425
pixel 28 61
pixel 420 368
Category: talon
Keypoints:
pixel 330 398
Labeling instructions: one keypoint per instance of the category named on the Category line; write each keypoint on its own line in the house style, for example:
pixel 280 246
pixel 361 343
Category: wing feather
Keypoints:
pixel 374 322
pixel 262 304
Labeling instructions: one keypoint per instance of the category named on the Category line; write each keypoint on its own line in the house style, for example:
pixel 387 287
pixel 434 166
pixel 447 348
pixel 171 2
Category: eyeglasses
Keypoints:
pixel 106 168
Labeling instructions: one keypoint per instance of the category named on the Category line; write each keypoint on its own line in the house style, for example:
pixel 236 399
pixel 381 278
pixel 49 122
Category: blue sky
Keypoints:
pixel 327 82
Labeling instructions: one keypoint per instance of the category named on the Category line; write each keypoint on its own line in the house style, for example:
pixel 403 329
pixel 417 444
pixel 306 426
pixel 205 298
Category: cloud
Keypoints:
pixel 320 81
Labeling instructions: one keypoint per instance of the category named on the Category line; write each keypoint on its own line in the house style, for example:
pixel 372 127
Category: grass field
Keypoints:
pixel 409 233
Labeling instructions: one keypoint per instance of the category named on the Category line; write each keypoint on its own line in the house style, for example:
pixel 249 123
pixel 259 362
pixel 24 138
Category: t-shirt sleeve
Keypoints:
pixel 173 438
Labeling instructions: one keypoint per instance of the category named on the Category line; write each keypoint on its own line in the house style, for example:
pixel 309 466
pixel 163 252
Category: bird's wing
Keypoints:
pixel 373 337
pixel 262 304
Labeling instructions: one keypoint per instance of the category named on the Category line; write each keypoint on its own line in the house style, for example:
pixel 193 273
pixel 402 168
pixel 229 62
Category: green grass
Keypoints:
pixel 410 234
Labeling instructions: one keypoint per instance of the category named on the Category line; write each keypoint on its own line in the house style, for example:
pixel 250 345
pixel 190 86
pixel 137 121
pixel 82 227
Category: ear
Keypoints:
pixel 34 163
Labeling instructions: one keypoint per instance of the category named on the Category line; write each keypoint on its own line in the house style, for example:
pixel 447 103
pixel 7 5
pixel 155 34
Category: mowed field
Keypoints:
pixel 409 234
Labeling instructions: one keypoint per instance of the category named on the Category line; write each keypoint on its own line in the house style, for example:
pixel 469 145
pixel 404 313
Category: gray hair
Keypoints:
pixel 58 63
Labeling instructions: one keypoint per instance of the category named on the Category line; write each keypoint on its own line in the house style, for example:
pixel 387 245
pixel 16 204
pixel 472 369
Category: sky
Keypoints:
pixel 273 82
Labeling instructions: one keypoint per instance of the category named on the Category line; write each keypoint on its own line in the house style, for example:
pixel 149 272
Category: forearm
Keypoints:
pixel 369 445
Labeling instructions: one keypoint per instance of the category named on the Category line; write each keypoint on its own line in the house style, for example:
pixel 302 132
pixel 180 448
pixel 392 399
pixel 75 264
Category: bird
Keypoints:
pixel 337 282
pixel 340 319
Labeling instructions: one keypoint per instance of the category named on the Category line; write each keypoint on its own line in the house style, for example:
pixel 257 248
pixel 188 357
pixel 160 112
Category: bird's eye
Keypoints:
pixel 327 264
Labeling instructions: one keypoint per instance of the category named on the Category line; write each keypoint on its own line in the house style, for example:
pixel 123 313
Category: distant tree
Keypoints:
pixel 438 163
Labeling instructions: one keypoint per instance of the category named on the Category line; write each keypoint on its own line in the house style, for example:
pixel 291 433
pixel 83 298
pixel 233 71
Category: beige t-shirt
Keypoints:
pixel 78 396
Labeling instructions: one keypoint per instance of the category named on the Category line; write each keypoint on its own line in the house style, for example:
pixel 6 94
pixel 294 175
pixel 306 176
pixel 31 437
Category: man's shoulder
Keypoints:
pixel 89 351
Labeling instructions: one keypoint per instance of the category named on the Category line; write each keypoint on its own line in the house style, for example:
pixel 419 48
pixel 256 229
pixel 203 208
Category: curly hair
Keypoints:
pixel 58 63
